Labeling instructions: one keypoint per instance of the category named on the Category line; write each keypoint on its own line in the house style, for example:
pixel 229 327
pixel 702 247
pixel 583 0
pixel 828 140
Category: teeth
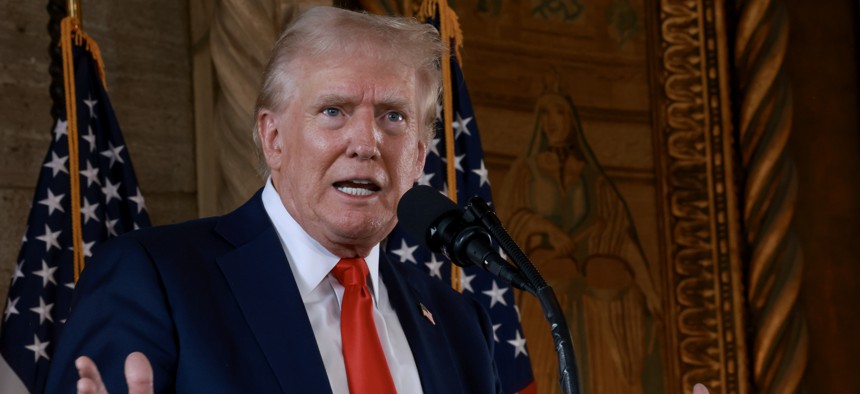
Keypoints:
pixel 355 191
pixel 360 181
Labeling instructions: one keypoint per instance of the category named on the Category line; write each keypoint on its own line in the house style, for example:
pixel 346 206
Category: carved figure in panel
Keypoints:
pixel 570 219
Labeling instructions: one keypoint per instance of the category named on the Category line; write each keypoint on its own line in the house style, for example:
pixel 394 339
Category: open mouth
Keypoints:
pixel 357 187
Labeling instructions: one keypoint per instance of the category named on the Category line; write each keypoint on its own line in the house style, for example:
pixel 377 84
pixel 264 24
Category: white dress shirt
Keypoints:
pixel 321 293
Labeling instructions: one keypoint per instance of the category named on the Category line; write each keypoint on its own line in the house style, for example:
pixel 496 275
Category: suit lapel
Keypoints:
pixel 428 342
pixel 264 287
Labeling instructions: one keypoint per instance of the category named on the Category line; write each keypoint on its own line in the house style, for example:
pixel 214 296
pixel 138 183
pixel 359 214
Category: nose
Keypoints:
pixel 363 136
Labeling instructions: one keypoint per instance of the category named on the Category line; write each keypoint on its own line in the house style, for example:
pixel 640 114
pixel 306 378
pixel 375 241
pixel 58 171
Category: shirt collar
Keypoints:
pixel 309 261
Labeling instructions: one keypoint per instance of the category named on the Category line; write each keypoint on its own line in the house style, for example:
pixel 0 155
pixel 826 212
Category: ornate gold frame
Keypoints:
pixel 699 219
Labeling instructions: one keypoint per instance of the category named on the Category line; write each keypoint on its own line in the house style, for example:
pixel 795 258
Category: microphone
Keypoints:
pixel 438 224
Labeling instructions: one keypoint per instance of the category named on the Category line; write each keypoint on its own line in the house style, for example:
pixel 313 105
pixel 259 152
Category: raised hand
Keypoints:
pixel 138 375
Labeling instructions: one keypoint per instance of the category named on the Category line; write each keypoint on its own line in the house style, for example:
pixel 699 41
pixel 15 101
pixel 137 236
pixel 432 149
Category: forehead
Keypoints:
pixel 357 77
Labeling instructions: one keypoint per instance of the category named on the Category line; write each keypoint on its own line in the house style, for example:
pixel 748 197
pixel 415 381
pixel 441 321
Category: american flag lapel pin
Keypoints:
pixel 426 313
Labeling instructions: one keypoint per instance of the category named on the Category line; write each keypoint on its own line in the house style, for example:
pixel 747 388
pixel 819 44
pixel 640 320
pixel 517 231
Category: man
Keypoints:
pixel 253 302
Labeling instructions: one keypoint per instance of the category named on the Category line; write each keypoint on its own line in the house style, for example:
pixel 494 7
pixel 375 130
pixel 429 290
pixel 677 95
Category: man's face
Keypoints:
pixel 345 149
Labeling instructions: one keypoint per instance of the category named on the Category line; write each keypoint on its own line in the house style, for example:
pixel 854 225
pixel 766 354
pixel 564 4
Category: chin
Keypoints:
pixel 368 228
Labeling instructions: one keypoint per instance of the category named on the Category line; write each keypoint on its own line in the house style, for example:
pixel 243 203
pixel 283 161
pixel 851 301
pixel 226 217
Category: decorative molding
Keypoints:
pixel 699 214
pixel 779 339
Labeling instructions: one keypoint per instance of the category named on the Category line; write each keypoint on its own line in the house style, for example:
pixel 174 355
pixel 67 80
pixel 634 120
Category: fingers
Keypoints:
pixel 138 374
pixel 700 389
pixel 89 380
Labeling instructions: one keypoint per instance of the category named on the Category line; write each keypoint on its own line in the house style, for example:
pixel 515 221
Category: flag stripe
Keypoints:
pixel 9 381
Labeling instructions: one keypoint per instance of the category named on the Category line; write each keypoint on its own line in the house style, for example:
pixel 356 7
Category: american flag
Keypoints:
pixel 110 204
pixel 512 358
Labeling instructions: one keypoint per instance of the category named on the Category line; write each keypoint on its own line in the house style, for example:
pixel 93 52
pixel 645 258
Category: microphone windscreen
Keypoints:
pixel 421 208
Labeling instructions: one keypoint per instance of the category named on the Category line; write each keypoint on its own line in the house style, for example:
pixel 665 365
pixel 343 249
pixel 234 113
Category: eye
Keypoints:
pixel 394 117
pixel 331 111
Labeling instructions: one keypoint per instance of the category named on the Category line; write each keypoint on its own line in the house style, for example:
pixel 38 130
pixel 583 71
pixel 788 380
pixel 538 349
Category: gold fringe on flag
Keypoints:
pixel 71 34
pixel 450 31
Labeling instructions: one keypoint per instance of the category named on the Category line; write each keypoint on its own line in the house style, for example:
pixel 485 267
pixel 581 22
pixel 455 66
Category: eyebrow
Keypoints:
pixel 387 100
pixel 393 100
pixel 334 99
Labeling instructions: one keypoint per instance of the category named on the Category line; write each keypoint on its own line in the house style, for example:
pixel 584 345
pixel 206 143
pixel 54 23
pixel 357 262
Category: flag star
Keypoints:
pixel 19 273
pixel 70 285
pixel 57 164
pixel 110 224
pixel 38 347
pixel 406 252
pixel 136 227
pixel 496 295
pixel 113 153
pixel 517 310
pixel 111 191
pixel 47 274
pixel 519 344
pixel 88 249
pixel 138 199
pixel 439 111
pixel 458 162
pixel 502 254
pixel 425 179
pixel 90 138
pixel 53 202
pixel 444 190
pixel 50 238
pixel 24 237
pixel 495 329
pixel 434 146
pixel 10 308
pixel 461 126
pixel 61 129
pixel 435 266
pixel 92 104
pixel 92 174
pixel 466 282
pixel 89 211
pixel 482 172
pixel 43 310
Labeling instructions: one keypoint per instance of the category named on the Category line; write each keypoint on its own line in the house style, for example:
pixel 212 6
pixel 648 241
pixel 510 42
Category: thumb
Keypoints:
pixel 700 389
pixel 138 374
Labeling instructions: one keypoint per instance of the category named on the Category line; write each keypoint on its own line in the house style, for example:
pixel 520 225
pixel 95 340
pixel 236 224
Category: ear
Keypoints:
pixel 270 138
pixel 420 157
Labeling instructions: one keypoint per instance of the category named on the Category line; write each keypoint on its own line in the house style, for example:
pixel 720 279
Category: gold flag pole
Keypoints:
pixel 72 34
pixel 76 12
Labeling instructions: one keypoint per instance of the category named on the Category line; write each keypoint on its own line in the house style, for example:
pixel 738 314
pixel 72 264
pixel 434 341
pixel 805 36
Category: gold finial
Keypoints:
pixel 75 11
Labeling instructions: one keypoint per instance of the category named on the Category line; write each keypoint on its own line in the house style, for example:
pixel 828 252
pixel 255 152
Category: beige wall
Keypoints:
pixel 145 46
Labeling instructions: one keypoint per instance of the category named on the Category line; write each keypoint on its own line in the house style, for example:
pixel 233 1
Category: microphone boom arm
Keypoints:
pixel 479 212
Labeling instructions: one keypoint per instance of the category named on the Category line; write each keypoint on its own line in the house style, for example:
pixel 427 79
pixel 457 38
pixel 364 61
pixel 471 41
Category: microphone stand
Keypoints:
pixel 478 211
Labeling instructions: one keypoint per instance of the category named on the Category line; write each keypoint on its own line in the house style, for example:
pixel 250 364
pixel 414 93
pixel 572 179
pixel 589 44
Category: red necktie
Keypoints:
pixel 366 368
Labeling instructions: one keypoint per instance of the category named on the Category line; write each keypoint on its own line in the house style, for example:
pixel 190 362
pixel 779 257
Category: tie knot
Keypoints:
pixel 351 272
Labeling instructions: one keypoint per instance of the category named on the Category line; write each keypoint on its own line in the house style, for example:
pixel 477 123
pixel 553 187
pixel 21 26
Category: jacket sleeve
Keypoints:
pixel 119 306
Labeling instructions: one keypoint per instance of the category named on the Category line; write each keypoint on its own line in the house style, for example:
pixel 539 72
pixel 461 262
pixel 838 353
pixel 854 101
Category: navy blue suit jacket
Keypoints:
pixel 214 306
